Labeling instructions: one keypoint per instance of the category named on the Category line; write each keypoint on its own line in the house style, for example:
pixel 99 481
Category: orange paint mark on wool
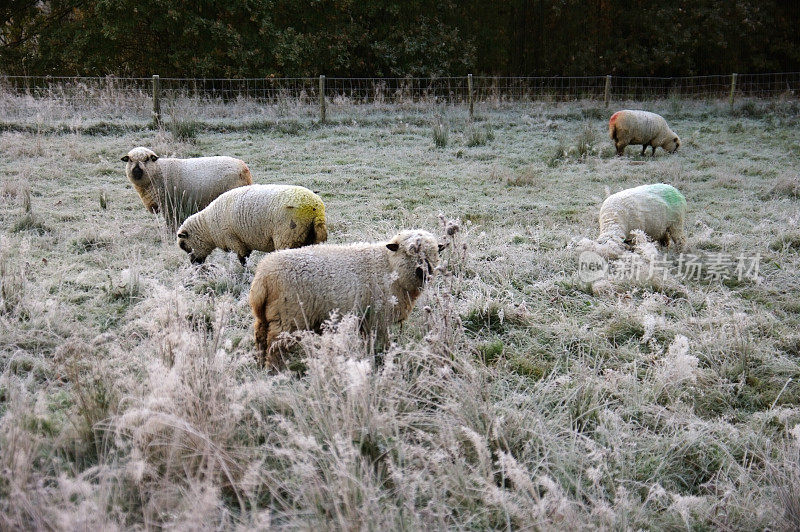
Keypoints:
pixel 614 118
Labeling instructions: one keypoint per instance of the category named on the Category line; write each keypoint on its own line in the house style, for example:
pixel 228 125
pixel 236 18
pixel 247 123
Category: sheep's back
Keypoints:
pixel 203 179
pixel 257 212
pixel 651 208
pixel 325 278
pixel 641 126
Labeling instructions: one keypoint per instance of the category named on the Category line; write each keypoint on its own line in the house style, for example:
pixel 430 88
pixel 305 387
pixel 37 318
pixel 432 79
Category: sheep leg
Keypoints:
pixel 654 150
pixel 677 235
pixel 620 150
pixel 276 349
pixel 241 250
pixel 644 147
pixel 270 350
pixel 262 340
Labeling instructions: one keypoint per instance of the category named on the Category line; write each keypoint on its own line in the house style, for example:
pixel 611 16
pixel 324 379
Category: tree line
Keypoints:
pixel 355 38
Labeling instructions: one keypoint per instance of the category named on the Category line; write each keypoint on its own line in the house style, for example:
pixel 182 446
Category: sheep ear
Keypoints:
pixel 392 246
pixel 442 246
pixel 154 157
pixel 125 158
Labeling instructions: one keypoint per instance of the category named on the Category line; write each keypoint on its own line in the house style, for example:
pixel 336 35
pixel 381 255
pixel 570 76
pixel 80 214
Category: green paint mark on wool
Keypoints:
pixel 668 193
pixel 306 206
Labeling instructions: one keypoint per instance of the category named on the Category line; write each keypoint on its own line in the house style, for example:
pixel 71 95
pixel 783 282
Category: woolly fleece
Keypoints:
pixel 183 185
pixel 658 210
pixel 255 217
pixel 641 127
pixel 299 289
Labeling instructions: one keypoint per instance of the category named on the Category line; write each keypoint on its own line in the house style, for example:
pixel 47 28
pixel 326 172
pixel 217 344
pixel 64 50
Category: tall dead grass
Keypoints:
pixel 424 436
pixel 513 397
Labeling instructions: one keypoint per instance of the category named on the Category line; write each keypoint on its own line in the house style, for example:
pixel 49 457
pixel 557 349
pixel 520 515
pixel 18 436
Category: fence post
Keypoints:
pixel 607 96
pixel 733 88
pixel 156 101
pixel 469 96
pixel 322 98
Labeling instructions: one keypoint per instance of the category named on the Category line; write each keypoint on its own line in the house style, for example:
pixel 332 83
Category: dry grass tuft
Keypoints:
pixel 441 132
pixel 530 175
pixel 788 187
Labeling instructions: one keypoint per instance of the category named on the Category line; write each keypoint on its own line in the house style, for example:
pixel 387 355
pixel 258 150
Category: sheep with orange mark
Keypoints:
pixel 641 128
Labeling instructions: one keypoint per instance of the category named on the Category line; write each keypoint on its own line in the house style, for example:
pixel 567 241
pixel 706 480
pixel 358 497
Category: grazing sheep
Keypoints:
pixel 180 187
pixel 298 289
pixel 260 217
pixel 658 210
pixel 641 127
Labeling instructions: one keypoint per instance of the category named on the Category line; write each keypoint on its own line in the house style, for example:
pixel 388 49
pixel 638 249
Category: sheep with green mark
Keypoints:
pixel 255 217
pixel 658 210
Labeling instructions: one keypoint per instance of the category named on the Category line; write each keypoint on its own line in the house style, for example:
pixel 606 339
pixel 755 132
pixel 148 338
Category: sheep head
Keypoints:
pixel 193 239
pixel 143 171
pixel 413 255
pixel 672 144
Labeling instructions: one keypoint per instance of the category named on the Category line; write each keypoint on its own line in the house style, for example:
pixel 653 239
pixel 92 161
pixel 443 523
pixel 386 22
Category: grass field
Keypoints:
pixel 515 396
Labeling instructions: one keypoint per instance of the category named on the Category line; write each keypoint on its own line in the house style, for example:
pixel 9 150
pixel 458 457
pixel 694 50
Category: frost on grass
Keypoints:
pixel 678 368
pixel 129 396
pixel 204 439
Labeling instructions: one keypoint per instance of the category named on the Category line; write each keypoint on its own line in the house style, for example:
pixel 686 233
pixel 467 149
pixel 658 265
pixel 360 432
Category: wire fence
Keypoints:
pixel 113 97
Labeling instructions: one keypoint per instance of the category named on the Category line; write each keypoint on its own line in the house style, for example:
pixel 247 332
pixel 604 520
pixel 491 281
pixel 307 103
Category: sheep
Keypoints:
pixel 657 209
pixel 298 289
pixel 180 187
pixel 255 217
pixel 641 127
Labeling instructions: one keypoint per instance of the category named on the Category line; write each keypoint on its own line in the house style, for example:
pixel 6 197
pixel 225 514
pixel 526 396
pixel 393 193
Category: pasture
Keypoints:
pixel 515 396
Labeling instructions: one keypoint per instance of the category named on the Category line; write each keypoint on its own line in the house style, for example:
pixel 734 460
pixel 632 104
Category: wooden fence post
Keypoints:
pixel 607 96
pixel 733 88
pixel 469 96
pixel 156 101
pixel 322 98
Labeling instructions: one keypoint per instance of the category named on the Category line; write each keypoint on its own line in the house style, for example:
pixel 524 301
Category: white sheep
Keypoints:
pixel 657 209
pixel 641 127
pixel 180 187
pixel 255 217
pixel 298 289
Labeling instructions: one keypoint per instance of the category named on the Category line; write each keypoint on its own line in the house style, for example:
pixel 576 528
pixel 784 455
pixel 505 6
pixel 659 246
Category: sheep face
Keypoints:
pixel 140 169
pixel 672 144
pixel 413 255
pixel 190 241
